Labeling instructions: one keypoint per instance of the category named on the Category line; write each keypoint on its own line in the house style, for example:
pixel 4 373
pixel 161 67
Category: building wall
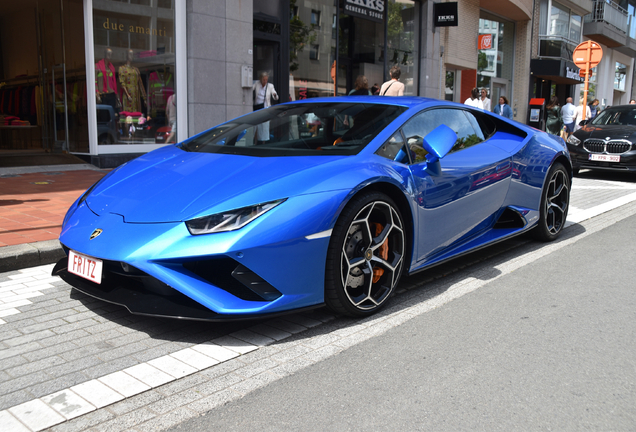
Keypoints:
pixel 219 42
pixel 460 43
pixel 521 77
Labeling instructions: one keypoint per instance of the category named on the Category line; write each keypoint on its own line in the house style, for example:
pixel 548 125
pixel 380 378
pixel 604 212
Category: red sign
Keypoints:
pixel 485 41
pixel 587 54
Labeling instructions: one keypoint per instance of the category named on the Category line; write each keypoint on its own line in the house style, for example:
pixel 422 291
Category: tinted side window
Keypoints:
pixel 393 149
pixel 463 123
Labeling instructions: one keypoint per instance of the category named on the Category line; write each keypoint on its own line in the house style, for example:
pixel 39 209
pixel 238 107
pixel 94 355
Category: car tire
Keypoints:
pixel 365 256
pixel 555 201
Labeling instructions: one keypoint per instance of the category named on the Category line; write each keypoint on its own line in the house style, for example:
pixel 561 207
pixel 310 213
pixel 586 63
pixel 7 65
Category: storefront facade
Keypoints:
pixel 488 50
pixel 105 74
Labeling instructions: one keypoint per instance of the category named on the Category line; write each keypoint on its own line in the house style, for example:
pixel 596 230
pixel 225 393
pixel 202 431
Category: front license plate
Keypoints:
pixel 87 267
pixel 604 158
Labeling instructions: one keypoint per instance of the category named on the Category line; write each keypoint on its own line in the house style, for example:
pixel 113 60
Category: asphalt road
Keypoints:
pixel 550 346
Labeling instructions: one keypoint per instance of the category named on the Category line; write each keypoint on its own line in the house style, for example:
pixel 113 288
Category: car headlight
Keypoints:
pixel 573 140
pixel 230 220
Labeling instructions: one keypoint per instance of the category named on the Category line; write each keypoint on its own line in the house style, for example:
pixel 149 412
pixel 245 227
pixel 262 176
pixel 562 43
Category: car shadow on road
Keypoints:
pixel 418 288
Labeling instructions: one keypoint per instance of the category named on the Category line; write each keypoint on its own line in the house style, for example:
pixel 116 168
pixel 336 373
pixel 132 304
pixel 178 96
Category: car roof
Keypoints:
pixel 407 101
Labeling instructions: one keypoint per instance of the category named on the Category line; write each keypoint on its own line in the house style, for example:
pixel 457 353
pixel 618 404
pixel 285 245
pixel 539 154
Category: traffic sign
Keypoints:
pixel 587 54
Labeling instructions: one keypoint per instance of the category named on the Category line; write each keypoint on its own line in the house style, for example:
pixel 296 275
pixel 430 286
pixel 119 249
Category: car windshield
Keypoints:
pixel 298 130
pixel 623 116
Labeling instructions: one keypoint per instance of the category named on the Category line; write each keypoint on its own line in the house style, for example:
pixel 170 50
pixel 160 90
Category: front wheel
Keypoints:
pixel 555 200
pixel 365 256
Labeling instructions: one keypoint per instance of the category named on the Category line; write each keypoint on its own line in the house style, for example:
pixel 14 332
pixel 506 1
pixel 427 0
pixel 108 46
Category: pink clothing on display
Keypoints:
pixel 105 81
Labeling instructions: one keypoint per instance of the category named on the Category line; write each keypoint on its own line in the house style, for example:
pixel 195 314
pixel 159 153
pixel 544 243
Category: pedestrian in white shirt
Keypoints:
pixel 484 99
pixel 579 114
pixel 474 100
pixel 568 113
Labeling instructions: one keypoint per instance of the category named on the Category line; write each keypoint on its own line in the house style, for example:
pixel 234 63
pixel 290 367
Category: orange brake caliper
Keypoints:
pixel 383 251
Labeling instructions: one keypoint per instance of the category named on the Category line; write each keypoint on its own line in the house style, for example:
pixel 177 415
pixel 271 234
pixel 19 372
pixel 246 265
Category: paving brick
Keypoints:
pixel 36 336
pixel 68 404
pixel 127 339
pixel 124 384
pixel 48 325
pixel 97 393
pixel 110 367
pixel 84 351
pixel 172 366
pixel 65 337
pixel 10 423
pixel 47 387
pixel 68 367
pixel 13 362
pixel 35 366
pixel 36 415
pixel 18 350
pixel 149 375
pixel 7 400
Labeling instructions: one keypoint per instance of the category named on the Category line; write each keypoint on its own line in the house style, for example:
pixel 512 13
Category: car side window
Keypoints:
pixel 462 122
pixel 394 149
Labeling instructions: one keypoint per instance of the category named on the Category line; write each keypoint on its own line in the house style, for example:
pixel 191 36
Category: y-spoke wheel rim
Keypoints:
pixel 556 202
pixel 374 241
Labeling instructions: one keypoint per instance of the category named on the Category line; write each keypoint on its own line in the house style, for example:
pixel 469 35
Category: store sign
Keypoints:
pixel 445 14
pixel 372 10
pixel 485 41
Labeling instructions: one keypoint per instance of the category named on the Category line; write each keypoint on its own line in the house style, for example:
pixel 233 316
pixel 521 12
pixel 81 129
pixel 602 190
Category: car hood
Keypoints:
pixel 605 131
pixel 171 185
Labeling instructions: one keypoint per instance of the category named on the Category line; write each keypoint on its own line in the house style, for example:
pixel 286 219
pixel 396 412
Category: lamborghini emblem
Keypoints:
pixel 96 233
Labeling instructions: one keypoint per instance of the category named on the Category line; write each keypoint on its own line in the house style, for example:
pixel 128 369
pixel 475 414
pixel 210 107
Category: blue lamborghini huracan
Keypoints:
pixel 327 201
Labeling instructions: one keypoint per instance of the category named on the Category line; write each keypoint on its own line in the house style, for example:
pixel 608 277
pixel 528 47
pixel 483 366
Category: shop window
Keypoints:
pixel 620 73
pixel 135 72
pixel 450 86
pixel 496 50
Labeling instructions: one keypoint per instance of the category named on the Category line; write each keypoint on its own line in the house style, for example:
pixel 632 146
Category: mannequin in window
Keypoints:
pixel 161 87
pixel 131 85
pixel 105 81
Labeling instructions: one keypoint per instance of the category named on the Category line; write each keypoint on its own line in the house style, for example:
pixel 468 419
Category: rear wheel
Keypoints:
pixel 365 256
pixel 555 200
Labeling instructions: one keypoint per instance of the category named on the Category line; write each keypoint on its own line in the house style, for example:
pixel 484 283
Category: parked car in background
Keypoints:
pixel 607 142
pixel 106 124
pixel 317 202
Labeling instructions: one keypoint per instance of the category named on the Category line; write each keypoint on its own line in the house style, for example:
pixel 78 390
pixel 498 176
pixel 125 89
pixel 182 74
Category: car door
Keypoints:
pixel 462 199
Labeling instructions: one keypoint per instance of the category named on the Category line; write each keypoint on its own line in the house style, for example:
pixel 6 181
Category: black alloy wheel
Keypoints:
pixel 365 256
pixel 555 200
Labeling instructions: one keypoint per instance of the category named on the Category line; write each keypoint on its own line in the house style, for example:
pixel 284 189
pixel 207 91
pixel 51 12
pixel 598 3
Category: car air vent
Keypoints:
pixel 611 146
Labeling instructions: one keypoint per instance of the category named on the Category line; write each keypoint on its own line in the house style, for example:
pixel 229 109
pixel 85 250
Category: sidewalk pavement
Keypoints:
pixel 33 202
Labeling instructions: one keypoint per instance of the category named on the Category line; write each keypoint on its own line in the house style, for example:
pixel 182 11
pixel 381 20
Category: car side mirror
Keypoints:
pixel 437 144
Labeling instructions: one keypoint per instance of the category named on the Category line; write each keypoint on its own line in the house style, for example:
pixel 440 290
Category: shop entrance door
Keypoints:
pixel 59 96
pixel 499 88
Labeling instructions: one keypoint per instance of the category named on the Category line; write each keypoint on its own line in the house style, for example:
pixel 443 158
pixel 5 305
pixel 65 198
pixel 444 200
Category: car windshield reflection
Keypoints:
pixel 616 117
pixel 299 130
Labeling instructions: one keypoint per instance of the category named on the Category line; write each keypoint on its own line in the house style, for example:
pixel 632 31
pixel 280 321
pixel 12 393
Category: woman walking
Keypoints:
pixel 554 122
